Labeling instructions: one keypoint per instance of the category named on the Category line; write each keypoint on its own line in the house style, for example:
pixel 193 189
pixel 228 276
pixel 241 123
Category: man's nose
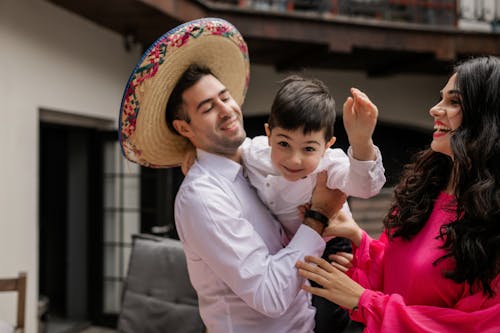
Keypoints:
pixel 224 109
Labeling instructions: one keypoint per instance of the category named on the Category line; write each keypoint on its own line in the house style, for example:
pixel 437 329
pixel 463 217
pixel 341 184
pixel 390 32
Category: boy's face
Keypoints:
pixel 294 154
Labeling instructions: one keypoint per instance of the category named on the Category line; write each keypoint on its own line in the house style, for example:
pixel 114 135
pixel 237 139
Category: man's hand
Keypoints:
pixel 325 200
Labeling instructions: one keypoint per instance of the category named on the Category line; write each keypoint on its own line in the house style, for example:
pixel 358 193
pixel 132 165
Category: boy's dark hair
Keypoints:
pixel 303 103
pixel 188 79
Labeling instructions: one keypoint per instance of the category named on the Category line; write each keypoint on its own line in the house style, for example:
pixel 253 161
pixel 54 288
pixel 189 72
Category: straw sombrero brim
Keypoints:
pixel 214 43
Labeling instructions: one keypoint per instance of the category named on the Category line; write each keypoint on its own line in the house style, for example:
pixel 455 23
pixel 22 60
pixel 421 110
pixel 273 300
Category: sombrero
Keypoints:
pixel 210 42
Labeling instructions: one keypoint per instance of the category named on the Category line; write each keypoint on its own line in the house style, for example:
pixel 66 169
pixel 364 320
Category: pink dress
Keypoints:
pixel 407 293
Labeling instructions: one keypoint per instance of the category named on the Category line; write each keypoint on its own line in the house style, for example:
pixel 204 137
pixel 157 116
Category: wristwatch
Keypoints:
pixel 313 214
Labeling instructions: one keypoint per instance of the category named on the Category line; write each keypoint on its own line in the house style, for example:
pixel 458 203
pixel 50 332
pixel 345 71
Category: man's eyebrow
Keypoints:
pixel 208 100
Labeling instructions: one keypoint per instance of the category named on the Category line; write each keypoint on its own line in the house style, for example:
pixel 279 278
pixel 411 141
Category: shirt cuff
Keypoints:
pixel 363 305
pixel 378 157
pixel 308 241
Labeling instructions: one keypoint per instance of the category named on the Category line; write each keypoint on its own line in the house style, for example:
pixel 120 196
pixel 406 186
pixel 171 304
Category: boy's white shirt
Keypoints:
pixel 356 178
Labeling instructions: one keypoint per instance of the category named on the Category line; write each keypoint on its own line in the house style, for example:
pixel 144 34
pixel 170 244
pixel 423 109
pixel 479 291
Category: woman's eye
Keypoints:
pixel 310 149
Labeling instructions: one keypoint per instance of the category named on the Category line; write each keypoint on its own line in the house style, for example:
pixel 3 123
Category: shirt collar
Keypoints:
pixel 219 164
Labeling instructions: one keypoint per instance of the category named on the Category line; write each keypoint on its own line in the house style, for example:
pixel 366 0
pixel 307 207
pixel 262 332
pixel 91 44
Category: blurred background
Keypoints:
pixel 70 203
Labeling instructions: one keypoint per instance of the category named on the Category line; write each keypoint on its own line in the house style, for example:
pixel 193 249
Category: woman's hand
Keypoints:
pixel 343 225
pixel 337 286
pixel 341 260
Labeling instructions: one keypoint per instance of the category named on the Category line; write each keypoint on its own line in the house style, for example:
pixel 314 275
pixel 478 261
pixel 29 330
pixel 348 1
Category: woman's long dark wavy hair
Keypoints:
pixel 473 239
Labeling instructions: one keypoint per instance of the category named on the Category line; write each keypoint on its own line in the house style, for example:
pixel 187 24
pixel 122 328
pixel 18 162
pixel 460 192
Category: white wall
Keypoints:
pixel 50 58
pixel 55 60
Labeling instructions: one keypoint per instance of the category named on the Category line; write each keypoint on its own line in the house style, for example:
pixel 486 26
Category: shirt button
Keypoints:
pixel 267 184
pixel 272 203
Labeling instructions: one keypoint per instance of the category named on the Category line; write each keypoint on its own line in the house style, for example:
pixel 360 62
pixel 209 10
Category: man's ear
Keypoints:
pixel 183 128
pixel 268 132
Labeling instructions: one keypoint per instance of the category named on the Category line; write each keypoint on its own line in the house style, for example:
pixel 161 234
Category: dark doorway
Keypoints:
pixel 67 210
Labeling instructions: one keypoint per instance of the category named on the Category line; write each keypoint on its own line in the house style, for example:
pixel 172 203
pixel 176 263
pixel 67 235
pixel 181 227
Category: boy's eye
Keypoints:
pixel 283 144
pixel 310 149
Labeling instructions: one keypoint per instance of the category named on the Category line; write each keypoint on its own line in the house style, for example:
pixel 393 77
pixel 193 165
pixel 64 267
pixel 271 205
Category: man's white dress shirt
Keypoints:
pixel 356 178
pixel 244 276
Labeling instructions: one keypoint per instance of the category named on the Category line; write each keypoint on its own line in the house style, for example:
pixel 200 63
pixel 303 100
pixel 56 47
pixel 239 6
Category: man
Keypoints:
pixel 239 261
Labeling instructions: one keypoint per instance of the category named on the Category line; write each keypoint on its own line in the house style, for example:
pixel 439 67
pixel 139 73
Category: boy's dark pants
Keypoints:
pixel 331 318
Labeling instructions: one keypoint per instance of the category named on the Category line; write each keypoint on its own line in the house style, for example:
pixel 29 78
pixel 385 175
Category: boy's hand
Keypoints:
pixel 360 117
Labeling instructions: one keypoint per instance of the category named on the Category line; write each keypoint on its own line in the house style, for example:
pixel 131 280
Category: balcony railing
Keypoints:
pixel 467 14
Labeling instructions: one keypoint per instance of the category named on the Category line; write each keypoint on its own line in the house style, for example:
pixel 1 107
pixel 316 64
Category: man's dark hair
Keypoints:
pixel 303 103
pixel 188 79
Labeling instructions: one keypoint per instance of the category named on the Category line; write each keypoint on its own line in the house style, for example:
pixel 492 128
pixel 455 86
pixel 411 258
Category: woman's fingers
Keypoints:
pixel 315 290
pixel 313 276
pixel 339 267
pixel 341 258
pixel 318 270
pixel 320 262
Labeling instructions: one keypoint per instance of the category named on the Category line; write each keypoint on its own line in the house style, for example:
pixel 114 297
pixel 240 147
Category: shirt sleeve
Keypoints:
pixel 368 262
pixel 389 313
pixel 362 179
pixel 211 222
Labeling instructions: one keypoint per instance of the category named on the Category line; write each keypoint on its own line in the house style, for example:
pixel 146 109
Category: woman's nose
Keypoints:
pixel 437 111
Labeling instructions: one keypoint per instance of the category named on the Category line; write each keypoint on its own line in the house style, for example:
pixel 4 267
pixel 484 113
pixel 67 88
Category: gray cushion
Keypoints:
pixel 158 296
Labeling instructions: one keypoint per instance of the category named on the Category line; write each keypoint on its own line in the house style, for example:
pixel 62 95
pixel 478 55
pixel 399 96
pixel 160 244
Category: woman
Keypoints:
pixel 436 266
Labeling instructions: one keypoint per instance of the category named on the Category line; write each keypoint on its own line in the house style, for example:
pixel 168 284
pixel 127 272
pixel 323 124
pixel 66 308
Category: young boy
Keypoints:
pixel 284 165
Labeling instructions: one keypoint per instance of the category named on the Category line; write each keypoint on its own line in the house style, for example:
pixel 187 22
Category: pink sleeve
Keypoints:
pixel 389 313
pixel 368 262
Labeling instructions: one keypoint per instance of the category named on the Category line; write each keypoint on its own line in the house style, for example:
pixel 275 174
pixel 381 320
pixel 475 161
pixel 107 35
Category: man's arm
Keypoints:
pixel 245 253
pixel 326 202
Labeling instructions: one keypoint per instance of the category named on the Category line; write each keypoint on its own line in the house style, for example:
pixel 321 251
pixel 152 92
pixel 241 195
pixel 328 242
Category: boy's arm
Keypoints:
pixel 362 179
pixel 360 117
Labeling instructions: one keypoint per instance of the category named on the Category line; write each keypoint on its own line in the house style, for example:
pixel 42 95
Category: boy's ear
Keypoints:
pixel 268 133
pixel 330 142
pixel 183 128
pixel 267 129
